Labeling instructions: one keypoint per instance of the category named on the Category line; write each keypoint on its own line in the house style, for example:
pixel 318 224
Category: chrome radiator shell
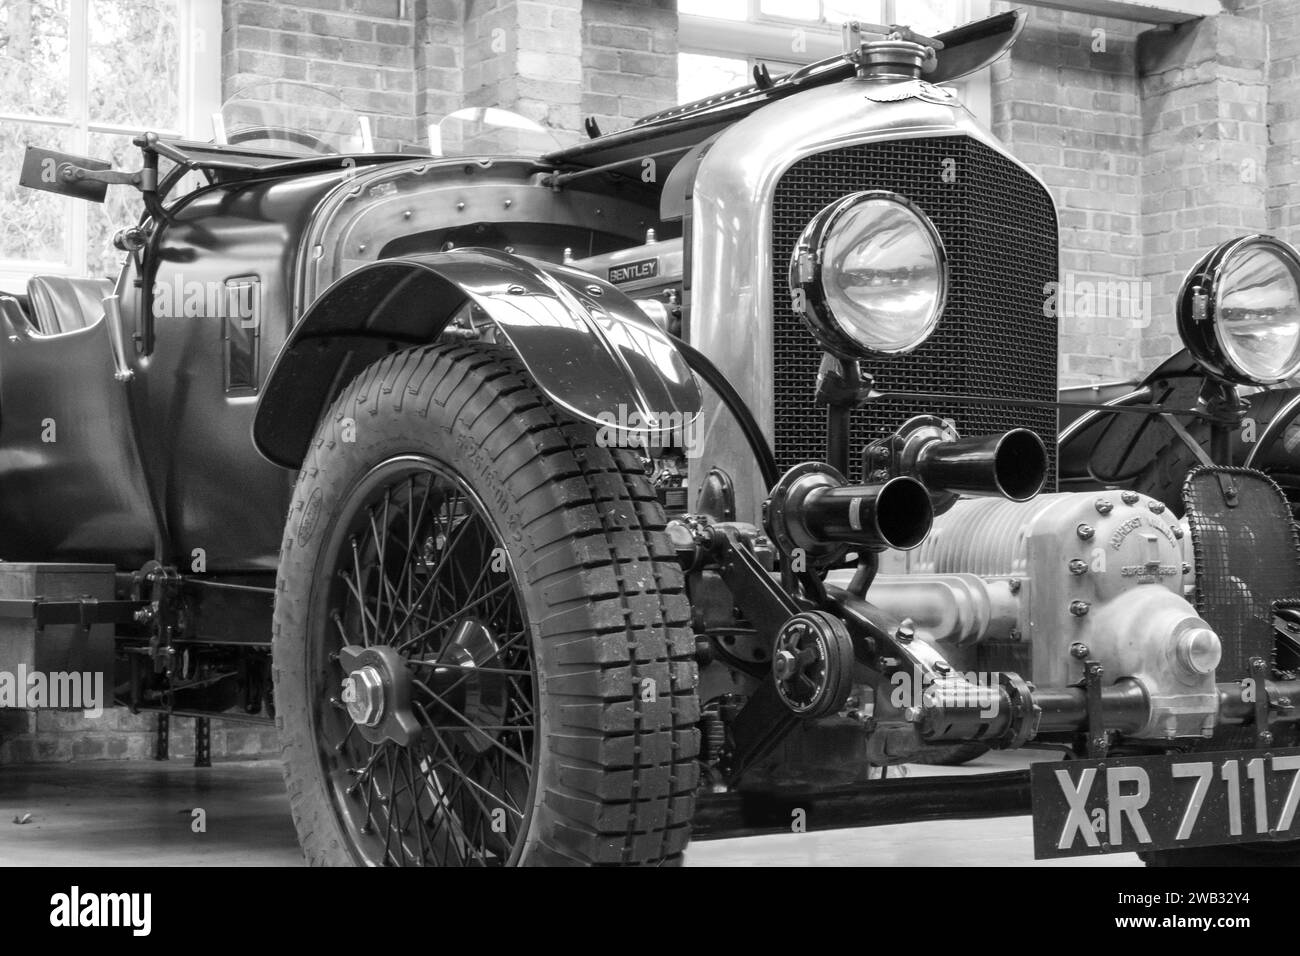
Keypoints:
pixel 732 294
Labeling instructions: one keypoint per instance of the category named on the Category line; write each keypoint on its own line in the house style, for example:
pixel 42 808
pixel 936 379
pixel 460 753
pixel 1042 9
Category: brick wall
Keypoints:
pixel 1158 148
pixel 439 61
pixel 1204 98
pixel 1282 20
pixel 407 65
pixel 360 49
pixel 1066 103
pixel 525 55
pixel 629 59
pixel 55 737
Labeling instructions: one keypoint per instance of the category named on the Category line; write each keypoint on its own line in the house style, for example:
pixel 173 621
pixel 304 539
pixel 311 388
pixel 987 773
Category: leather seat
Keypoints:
pixel 64 303
pixel 14 315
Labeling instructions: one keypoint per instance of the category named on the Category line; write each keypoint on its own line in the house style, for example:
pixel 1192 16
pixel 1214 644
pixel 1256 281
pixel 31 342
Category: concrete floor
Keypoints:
pixel 139 814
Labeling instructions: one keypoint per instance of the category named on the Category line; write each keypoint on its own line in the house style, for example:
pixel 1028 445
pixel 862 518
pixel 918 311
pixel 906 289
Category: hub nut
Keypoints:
pixel 1103 506
pixel 784 664
pixel 363 694
pixel 1129 497
pixel 1085 532
pixel 1080 608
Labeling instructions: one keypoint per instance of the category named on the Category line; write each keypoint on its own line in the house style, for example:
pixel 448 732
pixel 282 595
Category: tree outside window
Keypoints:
pixel 85 76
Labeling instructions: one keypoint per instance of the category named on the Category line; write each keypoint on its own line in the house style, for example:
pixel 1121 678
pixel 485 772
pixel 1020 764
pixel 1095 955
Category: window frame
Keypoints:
pixel 199 71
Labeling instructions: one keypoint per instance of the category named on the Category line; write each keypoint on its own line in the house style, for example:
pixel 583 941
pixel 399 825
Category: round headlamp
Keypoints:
pixel 869 276
pixel 1239 311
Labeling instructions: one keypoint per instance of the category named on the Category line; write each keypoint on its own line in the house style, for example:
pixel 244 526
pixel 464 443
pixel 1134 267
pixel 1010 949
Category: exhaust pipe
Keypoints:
pixel 1012 465
pixel 814 509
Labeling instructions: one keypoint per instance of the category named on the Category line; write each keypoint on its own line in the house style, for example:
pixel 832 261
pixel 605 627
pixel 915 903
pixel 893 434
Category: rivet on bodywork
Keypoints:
pixel 460 206
pixel 1085 532
pixel 407 214
pixel 516 290
pixel 508 203
pixel 1103 506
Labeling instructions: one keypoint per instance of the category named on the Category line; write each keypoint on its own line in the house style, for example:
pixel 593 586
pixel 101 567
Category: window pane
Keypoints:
pixel 930 16
pixel 33 223
pixel 718 9
pixel 792 9
pixel 121 207
pixel 868 11
pixel 134 63
pixel 699 75
pixel 34 65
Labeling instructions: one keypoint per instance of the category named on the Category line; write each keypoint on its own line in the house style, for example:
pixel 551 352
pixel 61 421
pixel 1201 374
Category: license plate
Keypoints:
pixel 1162 803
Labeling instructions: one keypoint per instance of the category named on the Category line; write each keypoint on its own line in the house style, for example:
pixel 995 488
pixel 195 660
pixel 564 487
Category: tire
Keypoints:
pixel 1163 476
pixel 950 755
pixel 520 727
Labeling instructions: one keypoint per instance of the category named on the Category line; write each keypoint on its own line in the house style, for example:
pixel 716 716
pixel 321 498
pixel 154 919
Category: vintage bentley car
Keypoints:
pixel 690 480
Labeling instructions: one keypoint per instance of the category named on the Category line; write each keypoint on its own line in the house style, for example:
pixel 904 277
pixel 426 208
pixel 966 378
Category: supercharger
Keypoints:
pixel 1077 576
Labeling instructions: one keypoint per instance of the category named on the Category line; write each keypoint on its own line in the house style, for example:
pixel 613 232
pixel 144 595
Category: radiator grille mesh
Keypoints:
pixel 999 229
pixel 1246 558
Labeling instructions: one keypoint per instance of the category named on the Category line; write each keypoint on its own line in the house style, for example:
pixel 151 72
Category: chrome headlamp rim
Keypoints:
pixel 806 276
pixel 1199 299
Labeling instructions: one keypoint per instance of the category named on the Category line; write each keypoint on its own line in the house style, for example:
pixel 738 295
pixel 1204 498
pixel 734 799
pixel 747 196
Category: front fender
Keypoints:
pixel 587 346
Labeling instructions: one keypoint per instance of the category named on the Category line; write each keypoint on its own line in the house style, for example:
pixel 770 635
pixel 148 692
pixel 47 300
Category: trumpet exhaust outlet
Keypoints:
pixel 814 509
pixel 1012 465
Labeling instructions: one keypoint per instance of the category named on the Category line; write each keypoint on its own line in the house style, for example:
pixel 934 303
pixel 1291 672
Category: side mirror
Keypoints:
pixel 64 174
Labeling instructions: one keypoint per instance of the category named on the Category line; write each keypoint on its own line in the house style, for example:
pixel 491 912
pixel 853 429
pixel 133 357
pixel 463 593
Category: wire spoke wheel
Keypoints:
pixel 427 726
pixel 482 647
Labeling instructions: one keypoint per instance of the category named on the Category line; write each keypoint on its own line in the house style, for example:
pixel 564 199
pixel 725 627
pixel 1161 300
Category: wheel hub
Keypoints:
pixel 376 692
pixel 363 692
